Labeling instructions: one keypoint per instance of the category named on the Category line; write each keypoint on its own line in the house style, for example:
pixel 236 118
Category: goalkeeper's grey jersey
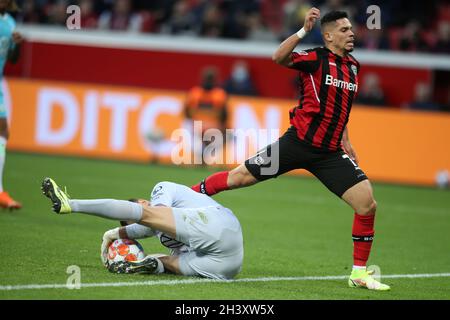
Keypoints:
pixel 209 238
pixel 175 195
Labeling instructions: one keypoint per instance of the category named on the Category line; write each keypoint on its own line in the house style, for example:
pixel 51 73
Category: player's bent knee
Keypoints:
pixel 369 208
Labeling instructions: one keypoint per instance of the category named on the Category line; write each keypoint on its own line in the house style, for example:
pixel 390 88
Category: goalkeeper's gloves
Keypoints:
pixel 108 237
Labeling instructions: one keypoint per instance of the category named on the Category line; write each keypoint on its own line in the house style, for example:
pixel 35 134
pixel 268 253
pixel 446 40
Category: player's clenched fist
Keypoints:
pixel 310 19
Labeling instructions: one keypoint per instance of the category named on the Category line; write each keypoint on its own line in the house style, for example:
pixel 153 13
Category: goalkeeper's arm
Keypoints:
pixel 132 231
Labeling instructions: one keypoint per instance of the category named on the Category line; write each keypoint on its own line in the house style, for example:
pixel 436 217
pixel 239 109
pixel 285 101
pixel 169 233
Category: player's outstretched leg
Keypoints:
pixel 239 177
pixel 59 198
pixel 147 265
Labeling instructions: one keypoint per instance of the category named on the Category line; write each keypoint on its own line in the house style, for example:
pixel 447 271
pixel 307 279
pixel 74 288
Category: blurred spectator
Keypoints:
pixel 409 25
pixel 56 13
pixel 240 81
pixel 422 99
pixel 207 103
pixel 411 38
pixel 257 31
pixel 294 18
pixel 294 12
pixel 236 14
pixel 375 39
pixel 121 18
pixel 271 13
pixel 155 13
pixel 443 38
pixel 89 18
pixel 212 23
pixel 371 92
pixel 30 13
pixel 443 11
pixel 182 19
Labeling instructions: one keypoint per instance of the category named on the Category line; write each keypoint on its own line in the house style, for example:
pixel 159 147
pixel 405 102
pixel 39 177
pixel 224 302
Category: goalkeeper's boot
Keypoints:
pixel 7 202
pixel 147 265
pixel 361 278
pixel 60 199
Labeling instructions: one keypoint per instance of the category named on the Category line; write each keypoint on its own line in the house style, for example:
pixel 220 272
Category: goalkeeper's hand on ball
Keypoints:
pixel 108 237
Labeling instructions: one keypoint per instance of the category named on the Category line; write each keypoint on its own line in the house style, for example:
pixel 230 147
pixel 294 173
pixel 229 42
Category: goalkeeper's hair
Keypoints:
pixel 332 16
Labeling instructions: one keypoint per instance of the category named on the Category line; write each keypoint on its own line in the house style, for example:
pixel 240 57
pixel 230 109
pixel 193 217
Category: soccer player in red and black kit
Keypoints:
pixel 318 138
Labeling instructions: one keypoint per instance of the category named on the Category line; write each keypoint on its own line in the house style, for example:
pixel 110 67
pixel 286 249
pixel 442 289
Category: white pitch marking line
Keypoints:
pixel 196 280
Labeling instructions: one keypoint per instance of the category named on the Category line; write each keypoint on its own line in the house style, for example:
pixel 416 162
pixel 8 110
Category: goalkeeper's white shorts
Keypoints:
pixel 214 236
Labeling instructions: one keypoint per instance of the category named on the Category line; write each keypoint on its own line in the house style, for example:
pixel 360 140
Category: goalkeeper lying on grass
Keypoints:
pixel 205 237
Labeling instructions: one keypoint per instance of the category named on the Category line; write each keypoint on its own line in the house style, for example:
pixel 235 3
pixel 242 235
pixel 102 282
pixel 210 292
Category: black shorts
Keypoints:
pixel 335 169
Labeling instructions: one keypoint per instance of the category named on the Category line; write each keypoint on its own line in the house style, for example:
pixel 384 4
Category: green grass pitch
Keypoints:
pixel 293 227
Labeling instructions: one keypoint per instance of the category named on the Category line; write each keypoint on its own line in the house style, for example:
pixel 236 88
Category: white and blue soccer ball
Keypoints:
pixel 125 250
pixel 442 179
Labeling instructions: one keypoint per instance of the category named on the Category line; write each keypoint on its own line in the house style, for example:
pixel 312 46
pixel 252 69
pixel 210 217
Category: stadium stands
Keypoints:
pixel 422 26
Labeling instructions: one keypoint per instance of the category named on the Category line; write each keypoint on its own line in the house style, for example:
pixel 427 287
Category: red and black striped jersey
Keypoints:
pixel 328 85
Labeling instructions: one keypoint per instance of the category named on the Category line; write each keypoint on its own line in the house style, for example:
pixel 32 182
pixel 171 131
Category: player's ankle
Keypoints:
pixel 359 267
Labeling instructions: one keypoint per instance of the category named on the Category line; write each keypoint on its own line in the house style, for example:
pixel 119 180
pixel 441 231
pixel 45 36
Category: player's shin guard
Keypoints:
pixel 362 234
pixel 213 184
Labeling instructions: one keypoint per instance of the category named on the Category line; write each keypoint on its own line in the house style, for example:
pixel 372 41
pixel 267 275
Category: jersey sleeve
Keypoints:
pixel 307 61
pixel 163 194
pixel 137 231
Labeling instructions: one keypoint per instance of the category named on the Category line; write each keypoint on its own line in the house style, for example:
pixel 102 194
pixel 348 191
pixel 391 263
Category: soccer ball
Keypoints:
pixel 443 179
pixel 125 250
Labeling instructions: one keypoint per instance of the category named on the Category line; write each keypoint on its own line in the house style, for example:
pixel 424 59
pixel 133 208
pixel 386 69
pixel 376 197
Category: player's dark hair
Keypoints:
pixel 332 16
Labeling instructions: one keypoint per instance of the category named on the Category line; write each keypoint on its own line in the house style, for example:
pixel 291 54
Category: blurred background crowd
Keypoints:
pixel 422 26
pixel 406 26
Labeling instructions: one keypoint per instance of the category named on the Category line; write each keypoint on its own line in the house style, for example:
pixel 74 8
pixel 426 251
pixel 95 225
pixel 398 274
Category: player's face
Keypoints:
pixel 343 36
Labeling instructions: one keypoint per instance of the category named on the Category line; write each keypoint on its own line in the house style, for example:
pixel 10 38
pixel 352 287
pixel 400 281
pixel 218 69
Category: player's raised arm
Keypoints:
pixel 283 54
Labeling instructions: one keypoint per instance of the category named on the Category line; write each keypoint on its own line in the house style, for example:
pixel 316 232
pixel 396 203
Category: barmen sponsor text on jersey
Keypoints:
pixel 329 80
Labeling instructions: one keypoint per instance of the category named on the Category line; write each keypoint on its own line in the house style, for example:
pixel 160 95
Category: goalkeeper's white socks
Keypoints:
pixel 108 208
